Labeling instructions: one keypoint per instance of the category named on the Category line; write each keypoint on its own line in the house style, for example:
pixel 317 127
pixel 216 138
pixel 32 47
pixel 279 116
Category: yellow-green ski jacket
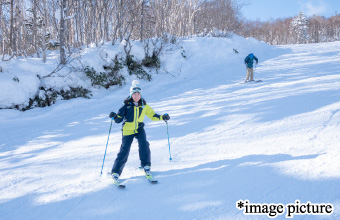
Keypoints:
pixel 133 116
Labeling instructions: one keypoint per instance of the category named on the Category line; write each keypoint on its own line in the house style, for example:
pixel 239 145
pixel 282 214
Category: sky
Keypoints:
pixel 266 9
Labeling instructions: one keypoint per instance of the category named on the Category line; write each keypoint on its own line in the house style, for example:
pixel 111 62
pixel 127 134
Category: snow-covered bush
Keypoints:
pixel 52 44
pixel 48 97
pixel 105 79
pixel 151 61
pixel 109 77
pixel 215 33
pixel 136 68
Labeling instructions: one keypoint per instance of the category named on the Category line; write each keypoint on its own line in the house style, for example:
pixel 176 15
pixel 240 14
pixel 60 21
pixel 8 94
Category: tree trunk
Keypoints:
pixel 142 20
pixel 62 33
pixel 11 31
pixel 43 46
pixel 35 31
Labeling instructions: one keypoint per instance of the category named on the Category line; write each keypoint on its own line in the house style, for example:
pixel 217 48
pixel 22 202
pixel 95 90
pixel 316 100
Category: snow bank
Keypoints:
pixel 173 62
pixel 17 89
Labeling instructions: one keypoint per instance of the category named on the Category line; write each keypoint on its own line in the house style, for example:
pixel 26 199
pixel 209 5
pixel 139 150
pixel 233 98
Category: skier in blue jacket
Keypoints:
pixel 132 115
pixel 249 62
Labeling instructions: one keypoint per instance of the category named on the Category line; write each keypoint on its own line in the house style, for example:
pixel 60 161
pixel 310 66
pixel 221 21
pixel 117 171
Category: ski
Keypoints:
pixel 118 184
pixel 115 182
pixel 149 176
pixel 151 179
pixel 254 81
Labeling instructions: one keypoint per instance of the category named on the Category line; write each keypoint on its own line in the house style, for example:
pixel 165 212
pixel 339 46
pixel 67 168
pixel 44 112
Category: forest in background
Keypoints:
pixel 30 27
pixel 293 30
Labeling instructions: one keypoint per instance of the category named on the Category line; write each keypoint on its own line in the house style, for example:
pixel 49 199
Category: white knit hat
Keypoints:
pixel 135 87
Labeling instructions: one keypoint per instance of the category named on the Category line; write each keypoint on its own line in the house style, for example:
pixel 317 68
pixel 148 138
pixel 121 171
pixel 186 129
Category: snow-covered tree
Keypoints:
pixel 73 23
pixel 300 26
pixel 62 32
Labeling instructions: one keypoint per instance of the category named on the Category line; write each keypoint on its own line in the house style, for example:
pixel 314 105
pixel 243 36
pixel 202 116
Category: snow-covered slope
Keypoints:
pixel 276 141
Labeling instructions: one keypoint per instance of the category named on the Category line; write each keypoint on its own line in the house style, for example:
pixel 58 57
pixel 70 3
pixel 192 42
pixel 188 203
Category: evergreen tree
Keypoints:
pixel 300 26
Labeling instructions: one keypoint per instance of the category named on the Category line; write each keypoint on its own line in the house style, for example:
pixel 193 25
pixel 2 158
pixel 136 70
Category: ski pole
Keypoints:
pixel 167 131
pixel 108 137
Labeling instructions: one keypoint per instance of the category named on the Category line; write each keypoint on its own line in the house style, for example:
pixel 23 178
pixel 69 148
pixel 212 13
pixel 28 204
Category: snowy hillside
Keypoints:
pixel 272 142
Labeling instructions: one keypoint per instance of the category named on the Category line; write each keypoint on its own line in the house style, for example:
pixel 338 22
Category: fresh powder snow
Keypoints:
pixel 271 142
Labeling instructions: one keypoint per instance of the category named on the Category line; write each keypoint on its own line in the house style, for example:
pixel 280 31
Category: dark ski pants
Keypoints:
pixel 122 156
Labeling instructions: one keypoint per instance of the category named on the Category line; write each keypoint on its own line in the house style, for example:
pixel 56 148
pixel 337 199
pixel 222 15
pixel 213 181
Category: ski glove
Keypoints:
pixel 166 117
pixel 113 115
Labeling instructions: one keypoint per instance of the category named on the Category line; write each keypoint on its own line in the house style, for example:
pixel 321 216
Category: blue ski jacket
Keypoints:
pixel 249 60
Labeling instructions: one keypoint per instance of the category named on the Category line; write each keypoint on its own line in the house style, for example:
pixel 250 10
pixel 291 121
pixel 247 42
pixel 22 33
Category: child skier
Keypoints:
pixel 249 62
pixel 132 113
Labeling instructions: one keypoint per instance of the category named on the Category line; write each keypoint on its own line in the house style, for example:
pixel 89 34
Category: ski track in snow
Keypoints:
pixel 274 141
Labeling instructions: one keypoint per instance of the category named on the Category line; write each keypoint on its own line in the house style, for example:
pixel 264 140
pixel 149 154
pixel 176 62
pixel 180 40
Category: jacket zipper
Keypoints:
pixel 136 118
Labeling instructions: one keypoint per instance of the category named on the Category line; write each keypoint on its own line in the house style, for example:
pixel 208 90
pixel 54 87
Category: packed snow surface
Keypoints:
pixel 275 141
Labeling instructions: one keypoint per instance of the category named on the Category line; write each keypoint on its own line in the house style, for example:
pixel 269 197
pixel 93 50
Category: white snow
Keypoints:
pixel 19 90
pixel 276 141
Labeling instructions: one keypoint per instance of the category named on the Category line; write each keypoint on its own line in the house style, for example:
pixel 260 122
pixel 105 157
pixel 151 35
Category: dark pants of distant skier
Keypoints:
pixel 144 151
